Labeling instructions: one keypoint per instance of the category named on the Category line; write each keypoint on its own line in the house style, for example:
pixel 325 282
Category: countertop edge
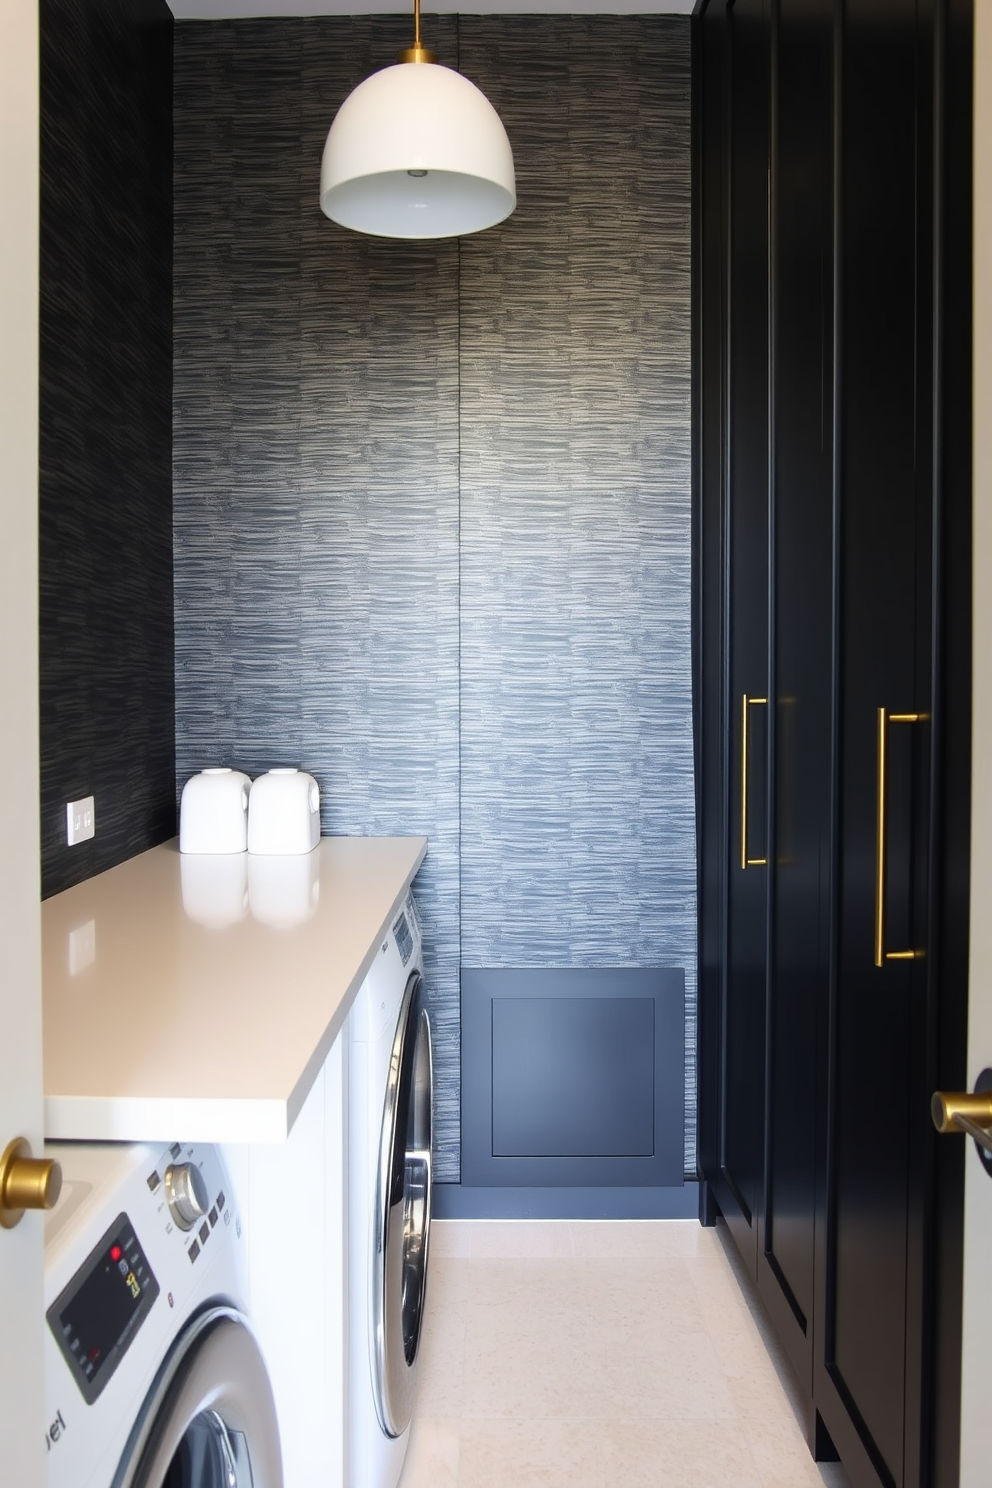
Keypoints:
pixel 265 1119
pixel 315 1064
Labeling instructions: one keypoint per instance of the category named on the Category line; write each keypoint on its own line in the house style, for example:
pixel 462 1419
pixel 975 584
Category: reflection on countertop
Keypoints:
pixel 220 889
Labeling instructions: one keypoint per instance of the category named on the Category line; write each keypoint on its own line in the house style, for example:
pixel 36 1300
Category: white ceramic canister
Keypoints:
pixel 284 813
pixel 213 812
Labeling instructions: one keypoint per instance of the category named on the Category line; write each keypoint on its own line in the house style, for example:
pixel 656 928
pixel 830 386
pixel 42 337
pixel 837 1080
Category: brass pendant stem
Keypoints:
pixel 416 53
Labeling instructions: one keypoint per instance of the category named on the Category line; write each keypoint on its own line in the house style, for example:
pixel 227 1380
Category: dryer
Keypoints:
pixel 153 1376
pixel 389 1190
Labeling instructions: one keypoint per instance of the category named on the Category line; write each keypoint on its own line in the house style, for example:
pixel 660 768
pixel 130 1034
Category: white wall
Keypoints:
pixel 22 1459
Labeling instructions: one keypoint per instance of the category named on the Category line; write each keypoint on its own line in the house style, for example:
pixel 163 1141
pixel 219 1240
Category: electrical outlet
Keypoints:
pixel 80 820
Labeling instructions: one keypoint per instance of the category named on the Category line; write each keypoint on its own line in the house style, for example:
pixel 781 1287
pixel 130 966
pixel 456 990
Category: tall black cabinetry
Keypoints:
pixel 735 550
pixel 833 623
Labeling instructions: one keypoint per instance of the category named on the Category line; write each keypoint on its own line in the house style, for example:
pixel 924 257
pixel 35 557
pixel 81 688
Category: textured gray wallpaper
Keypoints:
pixel 432 501
pixel 578 835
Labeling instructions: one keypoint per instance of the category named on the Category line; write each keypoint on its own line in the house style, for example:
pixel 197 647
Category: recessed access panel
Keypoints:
pixel 573 1076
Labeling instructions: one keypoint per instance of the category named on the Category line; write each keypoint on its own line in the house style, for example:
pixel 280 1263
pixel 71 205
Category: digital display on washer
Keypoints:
pixel 96 1317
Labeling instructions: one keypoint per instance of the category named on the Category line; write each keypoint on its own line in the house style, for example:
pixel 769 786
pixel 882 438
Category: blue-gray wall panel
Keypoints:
pixel 530 1044
pixel 578 825
pixel 345 460
pixel 573 1076
pixel 316 468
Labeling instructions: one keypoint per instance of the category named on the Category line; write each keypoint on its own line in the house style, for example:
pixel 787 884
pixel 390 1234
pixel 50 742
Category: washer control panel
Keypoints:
pixel 399 952
pixel 99 1312
pixel 403 938
pixel 96 1317
pixel 186 1194
pixel 189 1189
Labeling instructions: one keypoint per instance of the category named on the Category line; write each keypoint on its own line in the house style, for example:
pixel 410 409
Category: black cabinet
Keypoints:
pixel 743 266
pixel 800 498
pixel 832 613
pixel 884 600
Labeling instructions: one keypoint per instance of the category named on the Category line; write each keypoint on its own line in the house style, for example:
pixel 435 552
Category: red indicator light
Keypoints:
pixel 115 1252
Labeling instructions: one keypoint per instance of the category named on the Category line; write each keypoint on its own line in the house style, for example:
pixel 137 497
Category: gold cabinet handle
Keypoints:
pixel 26 1182
pixel 746 703
pixel 884 719
pixel 959 1112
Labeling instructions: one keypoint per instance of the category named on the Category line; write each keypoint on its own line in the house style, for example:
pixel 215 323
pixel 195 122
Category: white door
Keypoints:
pixel 22 1449
pixel 976 1421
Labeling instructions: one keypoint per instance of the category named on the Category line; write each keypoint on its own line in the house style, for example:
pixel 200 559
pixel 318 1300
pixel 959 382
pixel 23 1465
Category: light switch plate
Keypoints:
pixel 80 820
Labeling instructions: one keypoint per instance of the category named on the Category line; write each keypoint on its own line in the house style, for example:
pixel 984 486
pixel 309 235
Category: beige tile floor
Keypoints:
pixel 581 1354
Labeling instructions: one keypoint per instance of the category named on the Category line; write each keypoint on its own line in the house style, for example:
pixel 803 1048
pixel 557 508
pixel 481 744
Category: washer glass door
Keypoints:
pixel 210 1455
pixel 209 1420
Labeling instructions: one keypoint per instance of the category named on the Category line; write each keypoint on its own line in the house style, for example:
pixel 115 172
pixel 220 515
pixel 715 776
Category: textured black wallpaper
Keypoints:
pixel 106 588
pixel 432 534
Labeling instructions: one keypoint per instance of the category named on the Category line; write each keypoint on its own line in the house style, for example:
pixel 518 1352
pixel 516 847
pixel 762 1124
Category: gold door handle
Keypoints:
pixel 26 1182
pixel 884 719
pixel 959 1112
pixel 746 703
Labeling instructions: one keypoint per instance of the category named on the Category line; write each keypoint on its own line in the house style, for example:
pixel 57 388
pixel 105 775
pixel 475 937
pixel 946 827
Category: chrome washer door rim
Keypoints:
pixel 215 1368
pixel 401 1219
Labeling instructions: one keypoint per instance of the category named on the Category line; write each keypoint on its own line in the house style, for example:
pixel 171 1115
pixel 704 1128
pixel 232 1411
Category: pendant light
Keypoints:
pixel 417 151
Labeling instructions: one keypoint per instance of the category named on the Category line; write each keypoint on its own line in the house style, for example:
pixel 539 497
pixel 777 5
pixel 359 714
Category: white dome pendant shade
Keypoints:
pixel 417 151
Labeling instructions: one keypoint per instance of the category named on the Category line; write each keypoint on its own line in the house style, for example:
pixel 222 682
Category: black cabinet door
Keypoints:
pixel 740 1176
pixel 872 1306
pixel 853 360
pixel 802 487
pixel 709 388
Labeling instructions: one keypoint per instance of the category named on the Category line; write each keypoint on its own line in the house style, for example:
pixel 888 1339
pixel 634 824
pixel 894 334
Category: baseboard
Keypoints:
pixel 461 1201
pixel 708 1207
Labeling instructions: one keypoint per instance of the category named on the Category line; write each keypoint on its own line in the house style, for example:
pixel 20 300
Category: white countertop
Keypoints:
pixel 196 998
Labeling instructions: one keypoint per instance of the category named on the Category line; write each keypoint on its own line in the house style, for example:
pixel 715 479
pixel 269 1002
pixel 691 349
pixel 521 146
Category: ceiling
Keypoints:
pixel 204 10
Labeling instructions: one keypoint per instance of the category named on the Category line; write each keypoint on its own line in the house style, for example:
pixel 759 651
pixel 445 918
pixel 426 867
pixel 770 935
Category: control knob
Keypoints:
pixel 186 1193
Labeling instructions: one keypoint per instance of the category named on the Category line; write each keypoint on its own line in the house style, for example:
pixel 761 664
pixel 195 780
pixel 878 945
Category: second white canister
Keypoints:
pixel 284 813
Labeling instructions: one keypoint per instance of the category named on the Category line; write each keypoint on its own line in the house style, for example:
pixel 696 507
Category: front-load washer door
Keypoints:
pixel 401 1228
pixel 209 1420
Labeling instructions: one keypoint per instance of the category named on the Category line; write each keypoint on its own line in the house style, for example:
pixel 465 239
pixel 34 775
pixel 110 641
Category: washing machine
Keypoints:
pixel 389 1189
pixel 153 1376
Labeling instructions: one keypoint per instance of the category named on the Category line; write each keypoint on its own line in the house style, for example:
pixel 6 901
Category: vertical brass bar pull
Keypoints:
pixel 884 719
pixel 746 703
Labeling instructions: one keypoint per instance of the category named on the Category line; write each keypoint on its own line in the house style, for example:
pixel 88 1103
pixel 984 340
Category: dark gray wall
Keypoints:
pixel 432 533
pixel 106 585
